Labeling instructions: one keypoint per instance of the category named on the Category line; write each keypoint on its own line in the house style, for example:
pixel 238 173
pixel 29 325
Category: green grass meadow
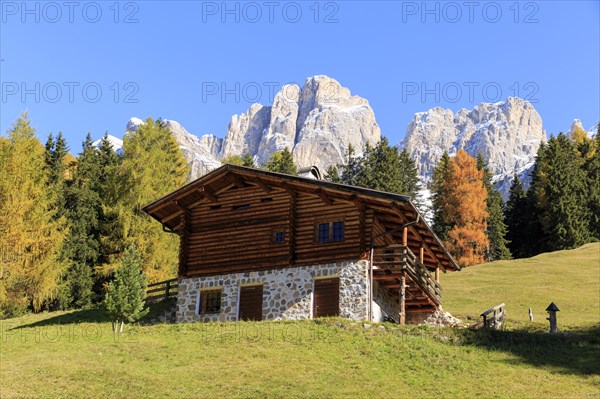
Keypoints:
pixel 75 355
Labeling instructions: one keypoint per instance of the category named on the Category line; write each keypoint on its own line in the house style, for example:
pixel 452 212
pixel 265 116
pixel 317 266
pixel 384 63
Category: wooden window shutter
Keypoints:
pixel 326 297
pixel 251 302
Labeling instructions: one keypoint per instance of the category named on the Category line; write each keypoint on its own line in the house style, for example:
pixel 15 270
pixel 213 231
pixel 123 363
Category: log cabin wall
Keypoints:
pixel 310 212
pixel 237 232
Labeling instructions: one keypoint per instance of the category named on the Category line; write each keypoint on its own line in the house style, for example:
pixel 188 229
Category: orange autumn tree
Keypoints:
pixel 465 210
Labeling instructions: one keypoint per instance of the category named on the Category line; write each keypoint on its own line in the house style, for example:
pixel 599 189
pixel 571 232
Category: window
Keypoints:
pixel 324 232
pixel 338 231
pixel 238 207
pixel 332 231
pixel 279 237
pixel 210 301
pixel 266 200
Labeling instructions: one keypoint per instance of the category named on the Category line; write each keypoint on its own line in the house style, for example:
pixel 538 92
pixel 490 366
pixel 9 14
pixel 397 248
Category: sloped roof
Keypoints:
pixel 393 210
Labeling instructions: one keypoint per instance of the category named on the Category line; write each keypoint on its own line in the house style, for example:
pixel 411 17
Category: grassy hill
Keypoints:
pixel 570 279
pixel 74 354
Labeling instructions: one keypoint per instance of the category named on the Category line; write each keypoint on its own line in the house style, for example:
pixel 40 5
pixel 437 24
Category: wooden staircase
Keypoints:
pixel 395 266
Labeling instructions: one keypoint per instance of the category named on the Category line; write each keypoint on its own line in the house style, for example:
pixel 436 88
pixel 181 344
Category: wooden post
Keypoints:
pixel 422 254
pixel 437 274
pixel 405 236
pixel 168 287
pixel 403 299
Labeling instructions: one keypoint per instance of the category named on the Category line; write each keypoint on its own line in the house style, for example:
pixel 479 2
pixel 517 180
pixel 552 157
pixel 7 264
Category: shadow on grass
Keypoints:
pixel 573 352
pixel 93 315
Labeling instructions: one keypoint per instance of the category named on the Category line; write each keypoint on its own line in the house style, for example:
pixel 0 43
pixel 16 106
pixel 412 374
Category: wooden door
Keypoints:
pixel 251 302
pixel 326 297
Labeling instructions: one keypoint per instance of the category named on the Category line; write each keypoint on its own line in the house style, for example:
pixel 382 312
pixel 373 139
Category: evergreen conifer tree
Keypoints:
pixel 496 228
pixel 282 162
pixel 517 220
pixel 439 192
pixel 126 294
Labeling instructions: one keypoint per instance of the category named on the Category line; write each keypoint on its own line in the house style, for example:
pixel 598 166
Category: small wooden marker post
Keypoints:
pixel 530 315
pixel 552 309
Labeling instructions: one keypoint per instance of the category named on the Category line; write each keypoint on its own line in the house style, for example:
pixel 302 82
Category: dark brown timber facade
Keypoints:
pixel 258 244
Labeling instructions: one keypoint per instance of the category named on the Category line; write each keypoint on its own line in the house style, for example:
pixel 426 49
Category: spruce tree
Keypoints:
pixel 248 160
pixel 496 228
pixel 126 294
pixel 31 234
pixel 282 162
pixel 384 168
pixel 592 168
pixel 516 220
pixel 566 196
pixel 82 245
pixel 439 190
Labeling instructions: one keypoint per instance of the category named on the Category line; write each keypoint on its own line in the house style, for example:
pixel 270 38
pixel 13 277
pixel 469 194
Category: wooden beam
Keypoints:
pixel 437 274
pixel 209 195
pixel 403 299
pixel 292 230
pixel 262 185
pixel 239 183
pixel 324 197
pixel 357 202
pixel 288 189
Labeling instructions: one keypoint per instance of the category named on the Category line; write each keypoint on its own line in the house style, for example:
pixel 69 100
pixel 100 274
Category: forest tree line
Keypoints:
pixel 66 221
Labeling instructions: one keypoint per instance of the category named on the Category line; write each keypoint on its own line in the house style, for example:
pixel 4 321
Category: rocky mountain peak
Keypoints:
pixel 507 134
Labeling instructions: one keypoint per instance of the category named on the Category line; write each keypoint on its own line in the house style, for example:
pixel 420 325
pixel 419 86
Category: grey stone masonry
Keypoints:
pixel 287 293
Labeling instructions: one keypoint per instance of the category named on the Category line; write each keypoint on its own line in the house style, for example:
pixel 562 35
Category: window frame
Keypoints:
pixel 330 231
pixel 203 298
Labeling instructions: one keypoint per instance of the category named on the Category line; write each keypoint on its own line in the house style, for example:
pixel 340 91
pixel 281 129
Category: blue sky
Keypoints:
pixel 90 66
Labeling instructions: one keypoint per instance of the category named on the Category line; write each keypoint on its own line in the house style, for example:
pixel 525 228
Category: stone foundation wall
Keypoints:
pixel 389 306
pixel 287 293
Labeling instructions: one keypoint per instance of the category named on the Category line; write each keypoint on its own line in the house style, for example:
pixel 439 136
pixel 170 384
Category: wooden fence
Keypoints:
pixel 494 317
pixel 162 290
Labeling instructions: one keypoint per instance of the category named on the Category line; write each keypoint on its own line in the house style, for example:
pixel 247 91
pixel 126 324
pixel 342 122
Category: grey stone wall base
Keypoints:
pixel 287 293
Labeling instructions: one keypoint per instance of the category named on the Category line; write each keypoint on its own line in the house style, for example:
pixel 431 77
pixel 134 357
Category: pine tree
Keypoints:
pixel 126 294
pixel 439 189
pixel 465 210
pixel 496 228
pixel 282 162
pixel 517 220
pixel 31 234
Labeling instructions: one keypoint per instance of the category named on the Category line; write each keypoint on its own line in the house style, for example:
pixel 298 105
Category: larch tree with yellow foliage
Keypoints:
pixel 153 165
pixel 31 232
pixel 464 210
